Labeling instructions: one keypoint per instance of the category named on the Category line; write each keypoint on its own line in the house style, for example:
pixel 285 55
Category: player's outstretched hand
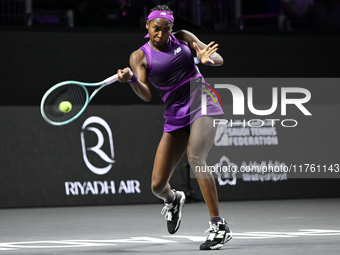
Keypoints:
pixel 204 54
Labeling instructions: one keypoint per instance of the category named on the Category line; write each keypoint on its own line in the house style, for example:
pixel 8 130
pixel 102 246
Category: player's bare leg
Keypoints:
pixel 170 150
pixel 201 139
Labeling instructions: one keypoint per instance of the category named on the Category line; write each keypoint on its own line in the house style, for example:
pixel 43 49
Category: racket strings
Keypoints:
pixel 75 94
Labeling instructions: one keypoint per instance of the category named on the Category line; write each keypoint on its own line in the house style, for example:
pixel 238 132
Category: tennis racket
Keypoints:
pixel 74 92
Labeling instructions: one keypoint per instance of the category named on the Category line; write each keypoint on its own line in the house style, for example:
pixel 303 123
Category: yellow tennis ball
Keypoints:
pixel 65 106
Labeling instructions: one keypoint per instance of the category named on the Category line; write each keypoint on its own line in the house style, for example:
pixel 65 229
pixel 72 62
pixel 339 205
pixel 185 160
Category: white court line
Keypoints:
pixel 53 244
pixel 263 235
pixel 48 245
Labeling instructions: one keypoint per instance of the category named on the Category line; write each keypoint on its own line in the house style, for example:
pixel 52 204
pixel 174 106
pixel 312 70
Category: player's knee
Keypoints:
pixel 157 187
pixel 195 160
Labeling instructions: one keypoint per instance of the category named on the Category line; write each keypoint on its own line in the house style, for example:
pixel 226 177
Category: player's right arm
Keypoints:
pixel 138 66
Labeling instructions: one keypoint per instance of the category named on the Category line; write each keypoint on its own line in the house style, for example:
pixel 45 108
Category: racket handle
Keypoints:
pixel 111 79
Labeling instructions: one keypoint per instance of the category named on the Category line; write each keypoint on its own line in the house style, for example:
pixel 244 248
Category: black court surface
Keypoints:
pixel 303 226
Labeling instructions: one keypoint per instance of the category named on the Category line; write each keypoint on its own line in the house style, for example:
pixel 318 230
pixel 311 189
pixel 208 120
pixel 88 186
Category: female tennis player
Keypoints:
pixel 167 63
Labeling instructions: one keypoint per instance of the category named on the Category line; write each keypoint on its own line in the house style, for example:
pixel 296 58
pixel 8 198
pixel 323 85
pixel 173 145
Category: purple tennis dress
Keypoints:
pixel 170 72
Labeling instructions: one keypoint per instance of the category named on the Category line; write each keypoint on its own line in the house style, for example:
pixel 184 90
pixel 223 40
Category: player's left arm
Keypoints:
pixel 205 52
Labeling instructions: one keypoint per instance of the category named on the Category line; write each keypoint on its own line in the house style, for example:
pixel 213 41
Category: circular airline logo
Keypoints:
pixel 91 125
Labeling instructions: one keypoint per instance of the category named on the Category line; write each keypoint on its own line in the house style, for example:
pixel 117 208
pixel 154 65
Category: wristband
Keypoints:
pixel 133 78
